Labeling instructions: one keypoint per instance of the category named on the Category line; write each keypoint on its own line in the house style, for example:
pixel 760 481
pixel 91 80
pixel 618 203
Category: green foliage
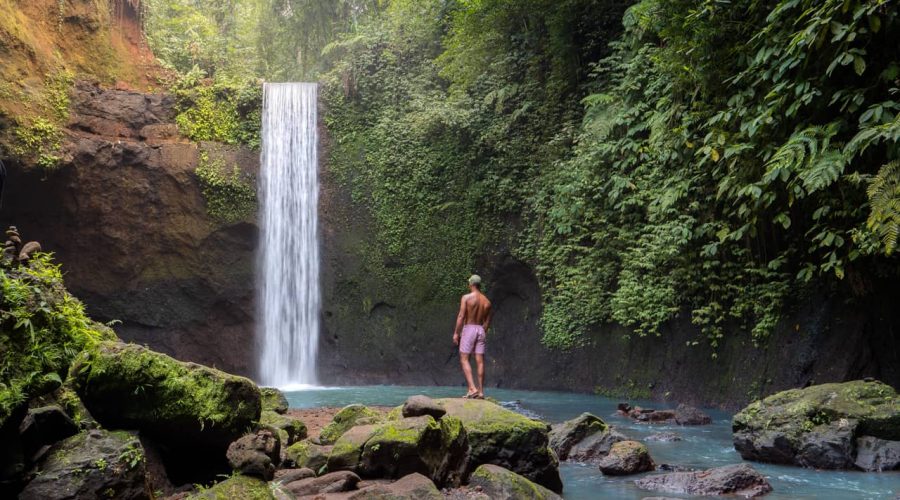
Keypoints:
pixel 37 140
pixel 222 110
pixel 230 194
pixel 42 328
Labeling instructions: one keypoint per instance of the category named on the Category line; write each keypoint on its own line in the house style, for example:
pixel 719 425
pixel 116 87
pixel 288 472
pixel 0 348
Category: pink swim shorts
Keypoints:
pixel 472 339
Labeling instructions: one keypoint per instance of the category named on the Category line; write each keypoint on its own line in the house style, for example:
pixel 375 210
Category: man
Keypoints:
pixel 472 324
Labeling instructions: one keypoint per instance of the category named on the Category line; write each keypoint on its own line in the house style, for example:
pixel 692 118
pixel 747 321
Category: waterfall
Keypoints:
pixel 290 298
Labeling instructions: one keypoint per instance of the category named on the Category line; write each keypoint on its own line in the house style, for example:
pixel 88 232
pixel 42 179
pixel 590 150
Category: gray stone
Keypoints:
pixel 688 415
pixel 502 484
pixel 873 454
pixel 93 464
pixel 741 480
pixel 416 406
pixel 596 446
pixel 255 454
pixel 334 482
pixel 411 487
pixel 664 437
pixel 626 458
pixel 565 435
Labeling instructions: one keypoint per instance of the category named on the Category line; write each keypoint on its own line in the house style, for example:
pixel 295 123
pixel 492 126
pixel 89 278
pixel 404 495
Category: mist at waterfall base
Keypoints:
pixel 289 298
pixel 703 446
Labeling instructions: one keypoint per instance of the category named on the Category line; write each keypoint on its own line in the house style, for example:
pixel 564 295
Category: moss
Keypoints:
pixel 243 487
pixel 229 193
pixel 289 429
pixel 498 482
pixel 219 111
pixel 309 455
pixel 42 328
pixel 273 400
pixel 346 418
pixel 347 450
pixel 130 385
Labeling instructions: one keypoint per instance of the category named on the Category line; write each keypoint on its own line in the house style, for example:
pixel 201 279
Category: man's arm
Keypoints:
pixel 487 319
pixel 460 320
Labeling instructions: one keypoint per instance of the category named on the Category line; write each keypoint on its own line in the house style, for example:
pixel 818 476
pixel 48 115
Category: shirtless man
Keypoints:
pixel 472 323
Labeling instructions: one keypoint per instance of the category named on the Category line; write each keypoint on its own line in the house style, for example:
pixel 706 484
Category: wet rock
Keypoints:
pixel 501 437
pixel 436 449
pixel 411 487
pixel 237 487
pixel 309 455
pixel 255 454
pixel 93 464
pixel 290 430
pixel 626 458
pixel 349 416
pixel 43 426
pixel 502 484
pixel 664 437
pixel 596 446
pixel 129 386
pixel 653 416
pixel 873 454
pixel 741 480
pixel 688 415
pixel 416 406
pixel 817 426
pixel 334 482
pixel 346 452
pixel 285 476
pixel 571 432
pixel 273 399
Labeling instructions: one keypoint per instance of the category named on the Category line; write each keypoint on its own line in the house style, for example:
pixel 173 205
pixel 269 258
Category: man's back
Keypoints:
pixel 478 308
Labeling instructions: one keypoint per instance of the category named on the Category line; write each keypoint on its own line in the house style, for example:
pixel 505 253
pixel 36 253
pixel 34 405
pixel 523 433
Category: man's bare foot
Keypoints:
pixel 471 395
pixel 480 395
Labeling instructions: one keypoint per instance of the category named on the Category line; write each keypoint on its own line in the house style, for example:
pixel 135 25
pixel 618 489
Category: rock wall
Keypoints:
pixel 125 215
pixel 376 334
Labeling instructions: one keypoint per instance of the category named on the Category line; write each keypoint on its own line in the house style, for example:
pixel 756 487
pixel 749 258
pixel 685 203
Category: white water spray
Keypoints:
pixel 290 299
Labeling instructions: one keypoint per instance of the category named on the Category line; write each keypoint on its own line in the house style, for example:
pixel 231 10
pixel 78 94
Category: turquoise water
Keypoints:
pixel 702 447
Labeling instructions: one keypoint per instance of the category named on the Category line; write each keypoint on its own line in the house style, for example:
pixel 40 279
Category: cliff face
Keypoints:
pixel 376 334
pixel 125 214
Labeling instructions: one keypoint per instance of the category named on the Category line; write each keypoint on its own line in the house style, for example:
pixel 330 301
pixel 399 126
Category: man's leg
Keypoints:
pixel 467 371
pixel 479 361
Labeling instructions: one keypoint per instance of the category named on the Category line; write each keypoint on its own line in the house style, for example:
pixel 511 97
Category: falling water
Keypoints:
pixel 289 268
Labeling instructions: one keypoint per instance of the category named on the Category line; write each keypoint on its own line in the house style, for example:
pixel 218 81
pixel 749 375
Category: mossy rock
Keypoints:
pixel 348 417
pixel 436 449
pixel 505 438
pixel 571 432
pixel 273 400
pixel 502 484
pixel 347 450
pixel 129 386
pixel 308 455
pixel 817 426
pixel 290 430
pixel 242 487
pixel 92 464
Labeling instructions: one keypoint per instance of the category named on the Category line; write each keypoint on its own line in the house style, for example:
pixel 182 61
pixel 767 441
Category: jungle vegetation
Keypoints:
pixel 650 159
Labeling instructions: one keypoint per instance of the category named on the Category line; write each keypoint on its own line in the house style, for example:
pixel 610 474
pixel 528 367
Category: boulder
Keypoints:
pixel 290 430
pixel 416 406
pixel 43 426
pixel 411 487
pixel 502 484
pixel 334 482
pixel 596 446
pixel 688 415
pixel 285 476
pixel 817 426
pixel 626 458
pixel 502 437
pixel 565 435
pixel 877 455
pixel 740 480
pixel 243 487
pixel 664 437
pixel 255 454
pixel 346 452
pixel 436 449
pixel 309 455
pixel 183 405
pixel 93 464
pixel 273 400
pixel 348 417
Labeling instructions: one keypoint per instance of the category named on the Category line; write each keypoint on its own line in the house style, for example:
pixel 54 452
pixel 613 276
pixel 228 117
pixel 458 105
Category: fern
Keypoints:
pixel 884 200
pixel 810 155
